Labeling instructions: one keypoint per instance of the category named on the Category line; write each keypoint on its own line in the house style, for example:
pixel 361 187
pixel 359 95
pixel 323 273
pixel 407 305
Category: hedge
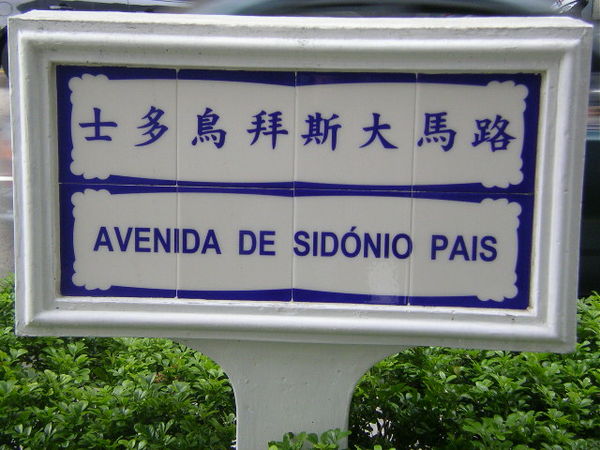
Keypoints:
pixel 97 393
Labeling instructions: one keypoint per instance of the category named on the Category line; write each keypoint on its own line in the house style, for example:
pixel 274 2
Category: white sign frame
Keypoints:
pixel 558 48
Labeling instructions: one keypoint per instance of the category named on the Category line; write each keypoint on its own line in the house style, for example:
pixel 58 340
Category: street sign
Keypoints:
pixel 412 182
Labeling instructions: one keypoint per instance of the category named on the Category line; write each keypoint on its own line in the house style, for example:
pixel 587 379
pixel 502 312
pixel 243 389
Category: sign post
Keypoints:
pixel 299 198
pixel 281 387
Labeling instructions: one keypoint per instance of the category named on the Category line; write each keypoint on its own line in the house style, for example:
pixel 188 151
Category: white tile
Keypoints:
pixel 354 104
pixel 123 127
pixel 465 248
pixel 253 236
pixel 450 148
pixel 323 262
pixel 115 239
pixel 226 152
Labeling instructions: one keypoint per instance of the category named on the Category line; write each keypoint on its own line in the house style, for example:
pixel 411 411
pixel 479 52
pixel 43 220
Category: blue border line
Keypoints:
pixel 522 269
pixel 305 192
pixel 118 188
pixel 67 249
pixel 318 78
pixel 283 295
pixel 533 82
pixel 237 190
pixel 479 79
pixel 355 187
pixel 310 296
pixel 64 74
pixel 470 192
pixel 281 78
pixel 524 235
pixel 251 185
pixel 116 72
pixel 473 188
pixel 267 295
pixel 523 264
pixel 470 197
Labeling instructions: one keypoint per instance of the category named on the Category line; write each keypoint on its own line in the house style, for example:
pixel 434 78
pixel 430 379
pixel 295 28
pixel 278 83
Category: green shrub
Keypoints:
pixel 155 394
pixel 459 399
pixel 329 440
pixel 108 393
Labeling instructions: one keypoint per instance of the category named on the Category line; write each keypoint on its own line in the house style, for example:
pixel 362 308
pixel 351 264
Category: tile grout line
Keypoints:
pixel 177 218
pixel 294 168
pixel 412 183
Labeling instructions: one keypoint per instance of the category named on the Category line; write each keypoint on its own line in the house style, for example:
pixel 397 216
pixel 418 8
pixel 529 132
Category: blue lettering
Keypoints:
pixel 491 256
pixel 242 239
pixel 374 246
pixel 439 242
pixel 185 240
pixel 352 244
pixel 211 242
pixel 386 245
pixel 357 243
pixel 123 244
pixel 176 249
pixel 409 246
pixel 186 247
pixel 103 239
pixel 139 239
pixel 334 243
pixel 474 240
pixel 459 249
pixel 264 242
pixel 97 125
pixel 164 241
pixel 306 246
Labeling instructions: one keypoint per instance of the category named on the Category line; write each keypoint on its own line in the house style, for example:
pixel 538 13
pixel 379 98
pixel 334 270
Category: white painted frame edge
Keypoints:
pixel 557 47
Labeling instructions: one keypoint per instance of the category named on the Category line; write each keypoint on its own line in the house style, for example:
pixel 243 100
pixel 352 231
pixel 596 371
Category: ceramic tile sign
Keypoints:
pixel 318 187
pixel 400 131
pixel 119 134
pixel 311 180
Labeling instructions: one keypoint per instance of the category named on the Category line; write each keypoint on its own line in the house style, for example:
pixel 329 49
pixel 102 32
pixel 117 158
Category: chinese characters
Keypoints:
pixel 321 129
pixel 493 133
pixel 207 131
pixel 436 130
pixel 154 128
pixel 97 125
pixel 271 127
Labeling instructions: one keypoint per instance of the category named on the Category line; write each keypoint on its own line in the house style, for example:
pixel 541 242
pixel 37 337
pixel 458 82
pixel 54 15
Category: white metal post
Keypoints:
pixel 281 387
